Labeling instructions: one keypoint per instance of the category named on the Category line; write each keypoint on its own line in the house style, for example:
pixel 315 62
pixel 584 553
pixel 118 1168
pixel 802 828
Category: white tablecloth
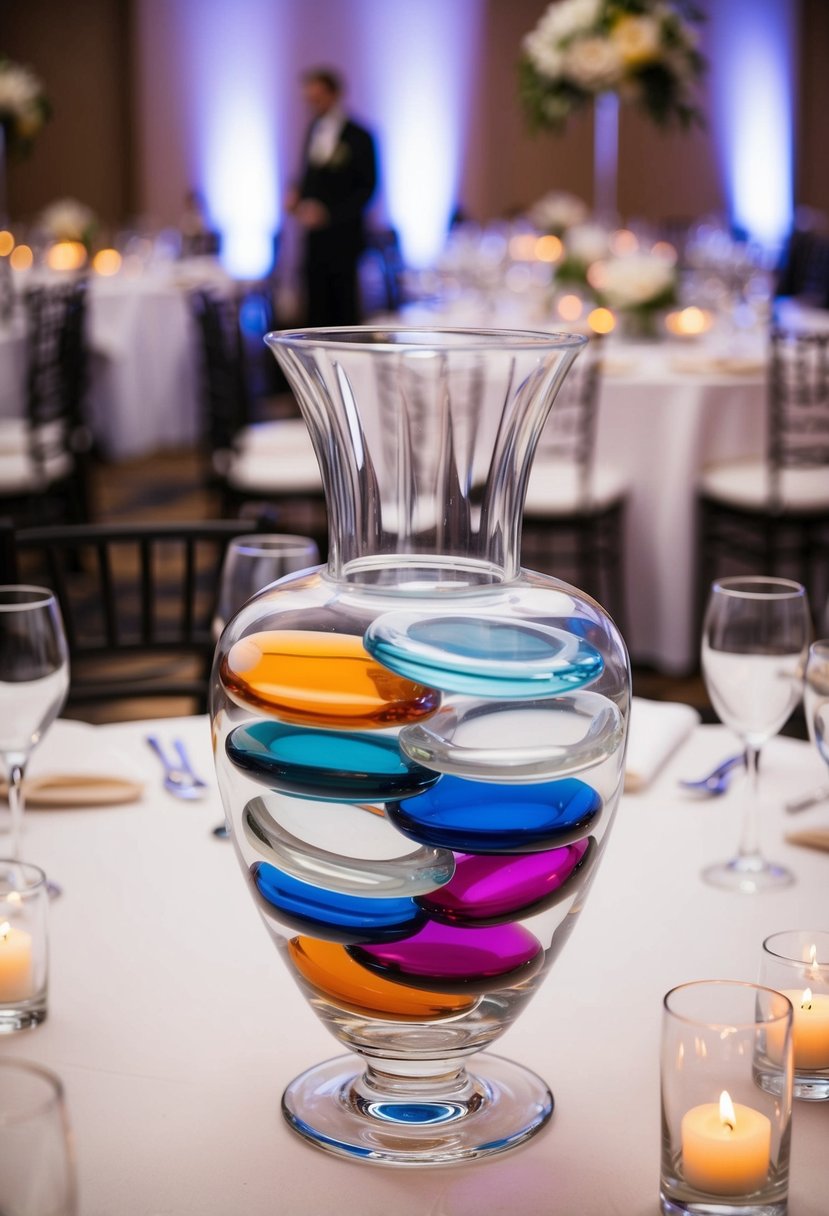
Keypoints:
pixel 175 1026
pixel 144 370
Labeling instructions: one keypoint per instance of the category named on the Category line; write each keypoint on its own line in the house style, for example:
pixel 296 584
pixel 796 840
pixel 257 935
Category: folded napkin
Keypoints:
pixel 656 730
pixel 732 365
pixel 811 838
pixel 75 766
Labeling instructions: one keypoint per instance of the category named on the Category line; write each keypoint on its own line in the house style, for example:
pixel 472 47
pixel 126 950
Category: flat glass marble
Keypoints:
pixel 310 678
pixel 359 827
pixel 326 764
pixel 330 914
pixel 331 971
pixel 488 890
pixel 479 817
pixel 483 656
pixel 489 741
pixel 453 959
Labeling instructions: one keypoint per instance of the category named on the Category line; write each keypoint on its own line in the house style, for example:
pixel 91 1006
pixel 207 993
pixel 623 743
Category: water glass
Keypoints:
pixel 726 1076
pixel 253 562
pixel 37 1168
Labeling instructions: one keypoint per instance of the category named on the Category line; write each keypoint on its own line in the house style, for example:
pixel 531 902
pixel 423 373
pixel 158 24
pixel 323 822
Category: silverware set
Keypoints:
pixel 717 782
pixel 180 778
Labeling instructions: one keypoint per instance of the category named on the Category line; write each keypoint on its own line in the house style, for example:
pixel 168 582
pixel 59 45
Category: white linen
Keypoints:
pixel 657 728
pixel 175 1025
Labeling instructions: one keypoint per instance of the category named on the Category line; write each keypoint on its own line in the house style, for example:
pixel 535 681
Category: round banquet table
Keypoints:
pixel 175 1026
pixel 144 366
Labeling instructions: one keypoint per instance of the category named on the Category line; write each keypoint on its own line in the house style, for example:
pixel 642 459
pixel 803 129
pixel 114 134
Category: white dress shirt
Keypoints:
pixel 325 136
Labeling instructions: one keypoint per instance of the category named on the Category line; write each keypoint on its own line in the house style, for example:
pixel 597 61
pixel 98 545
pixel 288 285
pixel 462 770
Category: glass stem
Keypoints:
pixel 749 850
pixel 16 803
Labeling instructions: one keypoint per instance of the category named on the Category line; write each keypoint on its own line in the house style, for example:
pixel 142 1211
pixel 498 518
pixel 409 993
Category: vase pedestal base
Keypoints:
pixel 406 1121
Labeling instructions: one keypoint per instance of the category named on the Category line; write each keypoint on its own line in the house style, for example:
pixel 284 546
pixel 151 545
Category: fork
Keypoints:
pixel 179 779
pixel 718 779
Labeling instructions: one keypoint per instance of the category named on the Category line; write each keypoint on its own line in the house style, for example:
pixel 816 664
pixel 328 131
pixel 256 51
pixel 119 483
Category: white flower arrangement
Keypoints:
pixel 69 220
pixel 558 212
pixel 644 50
pixel 23 106
pixel 641 280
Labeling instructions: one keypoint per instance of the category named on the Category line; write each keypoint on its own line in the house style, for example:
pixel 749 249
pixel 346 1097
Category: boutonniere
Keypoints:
pixel 340 156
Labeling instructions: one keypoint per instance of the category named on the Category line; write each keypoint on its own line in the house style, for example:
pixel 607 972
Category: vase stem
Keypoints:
pixel 605 155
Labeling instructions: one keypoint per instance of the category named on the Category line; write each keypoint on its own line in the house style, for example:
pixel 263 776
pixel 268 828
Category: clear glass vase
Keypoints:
pixel 420 746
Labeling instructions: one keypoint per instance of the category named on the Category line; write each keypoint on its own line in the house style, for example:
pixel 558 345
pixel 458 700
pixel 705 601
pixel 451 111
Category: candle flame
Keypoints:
pixel 806 999
pixel 5 930
pixel 727 1110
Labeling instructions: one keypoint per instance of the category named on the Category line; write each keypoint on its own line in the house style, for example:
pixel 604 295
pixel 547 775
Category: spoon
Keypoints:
pixel 178 779
pixel 718 779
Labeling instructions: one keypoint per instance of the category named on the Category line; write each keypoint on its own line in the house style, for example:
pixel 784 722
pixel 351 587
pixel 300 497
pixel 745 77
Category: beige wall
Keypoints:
pixel 114 67
pixel 80 51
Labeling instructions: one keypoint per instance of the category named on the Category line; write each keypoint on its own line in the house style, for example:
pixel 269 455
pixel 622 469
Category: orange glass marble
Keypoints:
pixel 310 678
pixel 331 970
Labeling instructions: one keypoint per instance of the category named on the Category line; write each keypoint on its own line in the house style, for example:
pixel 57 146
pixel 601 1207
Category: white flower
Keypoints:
pixel 587 243
pixel 545 45
pixel 569 17
pixel 637 39
pixel 593 64
pixel 19 89
pixel 558 211
pixel 636 279
pixel 68 220
pixel 544 55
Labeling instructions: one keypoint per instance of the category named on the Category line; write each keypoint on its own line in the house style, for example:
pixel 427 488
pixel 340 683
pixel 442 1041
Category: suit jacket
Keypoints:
pixel 344 184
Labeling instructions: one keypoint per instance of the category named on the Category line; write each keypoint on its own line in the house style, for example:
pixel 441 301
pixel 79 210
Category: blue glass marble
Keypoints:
pixel 482 817
pixel 330 915
pixel 326 764
pixel 483 656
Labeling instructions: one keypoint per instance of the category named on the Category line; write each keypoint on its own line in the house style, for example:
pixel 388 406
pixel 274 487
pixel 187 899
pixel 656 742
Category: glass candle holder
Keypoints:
pixel 37 1167
pixel 796 963
pixel 726 1072
pixel 24 945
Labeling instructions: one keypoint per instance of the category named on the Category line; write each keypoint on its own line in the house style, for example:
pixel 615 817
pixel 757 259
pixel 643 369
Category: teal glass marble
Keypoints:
pixel 326 764
pixel 483 656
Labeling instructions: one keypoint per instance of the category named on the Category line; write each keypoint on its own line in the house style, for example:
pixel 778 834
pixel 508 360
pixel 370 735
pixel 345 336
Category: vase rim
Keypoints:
pixel 424 338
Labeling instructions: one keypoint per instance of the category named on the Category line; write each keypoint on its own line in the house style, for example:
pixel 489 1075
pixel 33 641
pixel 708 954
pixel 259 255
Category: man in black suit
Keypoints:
pixel 338 179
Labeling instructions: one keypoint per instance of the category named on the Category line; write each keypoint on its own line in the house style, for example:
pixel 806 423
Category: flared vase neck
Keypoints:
pixel 425 440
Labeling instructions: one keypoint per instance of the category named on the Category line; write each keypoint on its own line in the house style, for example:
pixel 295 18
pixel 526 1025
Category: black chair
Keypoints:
pixel 381 272
pixel 574 511
pixel 264 466
pixel 137 601
pixel 771 515
pixel 44 456
pixel 804 268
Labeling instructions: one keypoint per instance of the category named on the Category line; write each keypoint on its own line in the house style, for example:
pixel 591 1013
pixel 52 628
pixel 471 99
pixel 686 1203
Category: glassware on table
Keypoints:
pixel 37 1166
pixel 252 563
pixel 754 645
pixel 816 696
pixel 726 1096
pixel 796 963
pixel 420 746
pixel 24 946
pixel 34 681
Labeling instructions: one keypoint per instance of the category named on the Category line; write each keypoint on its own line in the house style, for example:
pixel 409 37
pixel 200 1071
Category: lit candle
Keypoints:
pixel 726 1149
pixel 15 964
pixel 810 1028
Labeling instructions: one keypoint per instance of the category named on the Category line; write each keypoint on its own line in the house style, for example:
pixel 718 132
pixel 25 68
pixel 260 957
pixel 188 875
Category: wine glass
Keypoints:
pixel 816 696
pixel 754 644
pixel 34 681
pixel 252 562
pixel 37 1167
